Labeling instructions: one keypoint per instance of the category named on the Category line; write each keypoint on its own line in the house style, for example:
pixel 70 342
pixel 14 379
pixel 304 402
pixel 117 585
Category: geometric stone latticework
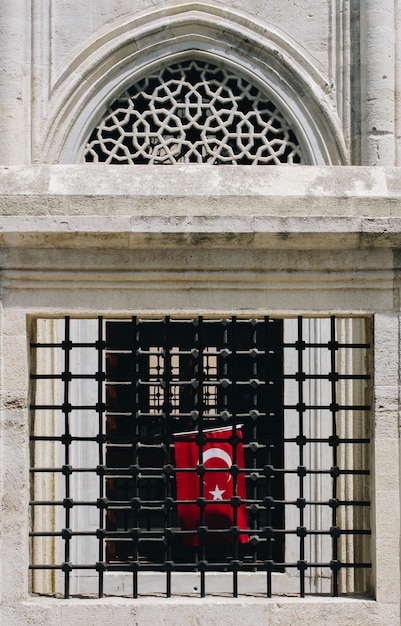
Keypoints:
pixel 193 112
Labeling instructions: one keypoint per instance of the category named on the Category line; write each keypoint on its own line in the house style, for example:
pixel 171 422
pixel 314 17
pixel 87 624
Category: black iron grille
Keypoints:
pixel 276 414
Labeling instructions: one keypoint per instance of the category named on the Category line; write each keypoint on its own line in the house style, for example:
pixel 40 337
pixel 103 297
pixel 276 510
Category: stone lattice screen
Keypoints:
pixel 193 112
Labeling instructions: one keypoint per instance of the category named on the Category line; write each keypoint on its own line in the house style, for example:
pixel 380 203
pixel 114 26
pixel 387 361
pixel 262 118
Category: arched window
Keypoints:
pixel 193 112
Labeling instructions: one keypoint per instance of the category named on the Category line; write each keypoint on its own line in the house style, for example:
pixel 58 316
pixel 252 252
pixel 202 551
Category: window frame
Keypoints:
pixel 218 579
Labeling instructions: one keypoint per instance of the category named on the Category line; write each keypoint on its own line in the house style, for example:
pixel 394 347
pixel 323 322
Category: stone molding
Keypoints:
pixel 82 206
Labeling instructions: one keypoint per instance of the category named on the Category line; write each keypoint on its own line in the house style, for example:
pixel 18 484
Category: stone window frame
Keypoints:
pixel 53 581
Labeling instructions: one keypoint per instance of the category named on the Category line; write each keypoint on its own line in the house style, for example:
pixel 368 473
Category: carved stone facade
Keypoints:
pixel 192 238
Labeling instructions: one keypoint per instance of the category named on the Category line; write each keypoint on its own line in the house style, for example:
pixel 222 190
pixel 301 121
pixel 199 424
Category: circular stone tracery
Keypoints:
pixel 193 112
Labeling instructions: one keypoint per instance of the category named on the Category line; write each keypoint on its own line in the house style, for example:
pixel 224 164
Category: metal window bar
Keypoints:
pixel 158 380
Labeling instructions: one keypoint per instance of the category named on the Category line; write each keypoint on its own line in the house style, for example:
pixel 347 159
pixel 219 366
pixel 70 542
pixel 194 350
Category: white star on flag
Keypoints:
pixel 217 493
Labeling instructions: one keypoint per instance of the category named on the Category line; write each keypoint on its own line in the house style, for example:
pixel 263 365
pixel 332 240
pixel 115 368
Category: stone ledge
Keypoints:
pixel 124 207
pixel 197 180
pixel 149 611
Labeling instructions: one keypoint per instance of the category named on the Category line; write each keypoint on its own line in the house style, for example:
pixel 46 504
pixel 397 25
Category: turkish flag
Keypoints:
pixel 218 486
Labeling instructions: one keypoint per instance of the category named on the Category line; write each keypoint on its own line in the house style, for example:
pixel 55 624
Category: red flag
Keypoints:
pixel 218 487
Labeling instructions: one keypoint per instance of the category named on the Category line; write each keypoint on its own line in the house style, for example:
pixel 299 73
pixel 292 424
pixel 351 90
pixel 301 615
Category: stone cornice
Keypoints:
pixel 208 206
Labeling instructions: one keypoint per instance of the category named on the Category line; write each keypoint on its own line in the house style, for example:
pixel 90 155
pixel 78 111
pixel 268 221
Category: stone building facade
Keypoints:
pixel 114 116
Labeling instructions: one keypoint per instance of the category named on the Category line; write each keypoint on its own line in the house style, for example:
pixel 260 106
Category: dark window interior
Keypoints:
pixel 166 377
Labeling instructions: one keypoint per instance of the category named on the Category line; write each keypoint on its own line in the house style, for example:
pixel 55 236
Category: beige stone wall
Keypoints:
pixel 90 240
pixel 62 61
pixel 319 250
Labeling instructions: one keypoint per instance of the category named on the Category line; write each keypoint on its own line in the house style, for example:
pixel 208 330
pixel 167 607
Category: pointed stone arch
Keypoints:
pixel 127 51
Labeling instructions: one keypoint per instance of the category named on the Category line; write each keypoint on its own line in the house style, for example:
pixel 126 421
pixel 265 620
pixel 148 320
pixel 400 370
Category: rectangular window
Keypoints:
pixel 200 455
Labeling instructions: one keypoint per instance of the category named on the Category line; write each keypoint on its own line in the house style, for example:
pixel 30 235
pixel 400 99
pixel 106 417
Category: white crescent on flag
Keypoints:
pixel 216 453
